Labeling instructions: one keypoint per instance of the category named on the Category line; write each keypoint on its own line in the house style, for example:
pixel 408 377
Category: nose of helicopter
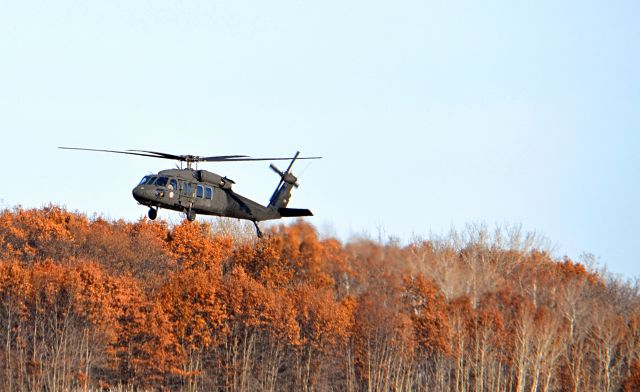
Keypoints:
pixel 139 193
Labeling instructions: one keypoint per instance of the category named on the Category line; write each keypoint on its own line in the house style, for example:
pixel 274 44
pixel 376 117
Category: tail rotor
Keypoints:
pixel 280 197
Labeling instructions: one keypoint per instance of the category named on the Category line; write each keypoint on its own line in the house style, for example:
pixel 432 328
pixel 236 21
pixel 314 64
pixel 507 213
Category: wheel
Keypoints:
pixel 153 214
pixel 191 216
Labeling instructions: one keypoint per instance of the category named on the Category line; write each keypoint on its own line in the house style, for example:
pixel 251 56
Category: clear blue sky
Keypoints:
pixel 429 114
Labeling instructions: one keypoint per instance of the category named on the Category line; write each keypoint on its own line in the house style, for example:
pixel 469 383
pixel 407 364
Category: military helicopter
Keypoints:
pixel 195 191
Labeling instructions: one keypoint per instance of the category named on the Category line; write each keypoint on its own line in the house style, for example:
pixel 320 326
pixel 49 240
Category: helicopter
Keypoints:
pixel 195 191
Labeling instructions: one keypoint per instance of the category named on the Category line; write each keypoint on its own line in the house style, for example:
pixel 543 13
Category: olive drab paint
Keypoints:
pixel 194 191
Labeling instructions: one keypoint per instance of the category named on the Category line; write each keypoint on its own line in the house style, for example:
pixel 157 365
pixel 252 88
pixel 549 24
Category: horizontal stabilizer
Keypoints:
pixel 289 212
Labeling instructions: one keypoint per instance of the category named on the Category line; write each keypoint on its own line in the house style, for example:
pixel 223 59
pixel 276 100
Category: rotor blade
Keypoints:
pixel 156 154
pixel 194 158
pixel 292 161
pixel 162 154
pixel 281 174
pixel 116 152
pixel 275 169
pixel 264 159
pixel 221 158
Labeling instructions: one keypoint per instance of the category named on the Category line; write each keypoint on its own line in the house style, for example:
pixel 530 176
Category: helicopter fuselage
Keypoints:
pixel 203 192
pixel 198 192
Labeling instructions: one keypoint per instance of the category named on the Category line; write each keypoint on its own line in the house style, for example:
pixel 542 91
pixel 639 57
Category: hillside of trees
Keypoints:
pixel 92 304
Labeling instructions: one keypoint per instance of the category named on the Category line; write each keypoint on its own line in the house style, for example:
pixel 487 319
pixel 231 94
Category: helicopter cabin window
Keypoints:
pixel 161 181
pixel 151 180
pixel 208 193
pixel 144 180
pixel 173 184
pixel 200 192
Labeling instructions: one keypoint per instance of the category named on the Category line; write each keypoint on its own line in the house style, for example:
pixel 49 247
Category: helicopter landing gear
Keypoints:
pixel 153 213
pixel 191 215
pixel 258 231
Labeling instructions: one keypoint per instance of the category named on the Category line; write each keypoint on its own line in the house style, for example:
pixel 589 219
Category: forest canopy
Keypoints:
pixel 88 303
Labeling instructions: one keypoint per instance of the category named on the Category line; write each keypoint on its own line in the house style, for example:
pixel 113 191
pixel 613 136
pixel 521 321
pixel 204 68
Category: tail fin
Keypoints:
pixel 282 194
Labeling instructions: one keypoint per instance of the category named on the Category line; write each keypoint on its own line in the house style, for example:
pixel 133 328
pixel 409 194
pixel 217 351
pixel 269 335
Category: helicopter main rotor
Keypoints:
pixel 189 159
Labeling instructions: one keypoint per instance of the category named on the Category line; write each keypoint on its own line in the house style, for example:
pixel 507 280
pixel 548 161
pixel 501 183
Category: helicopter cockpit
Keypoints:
pixel 159 181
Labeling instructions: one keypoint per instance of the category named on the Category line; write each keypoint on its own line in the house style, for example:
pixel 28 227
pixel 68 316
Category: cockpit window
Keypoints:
pixel 144 180
pixel 150 180
pixel 200 191
pixel 173 183
pixel 161 181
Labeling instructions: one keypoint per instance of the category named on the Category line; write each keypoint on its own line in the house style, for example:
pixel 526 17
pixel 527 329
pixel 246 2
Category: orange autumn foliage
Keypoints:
pixel 193 246
pixel 428 310
pixel 197 316
pixel 88 303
